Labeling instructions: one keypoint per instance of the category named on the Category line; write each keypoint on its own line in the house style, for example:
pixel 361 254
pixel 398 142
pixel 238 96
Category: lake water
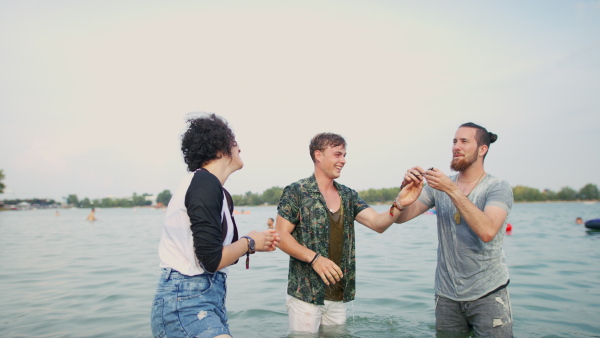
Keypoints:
pixel 62 276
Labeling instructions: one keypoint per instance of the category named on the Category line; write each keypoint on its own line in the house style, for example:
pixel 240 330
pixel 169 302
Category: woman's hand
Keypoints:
pixel 411 186
pixel 265 240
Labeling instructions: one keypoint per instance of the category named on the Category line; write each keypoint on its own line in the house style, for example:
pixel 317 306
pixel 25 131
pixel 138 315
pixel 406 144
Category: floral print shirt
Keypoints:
pixel 303 205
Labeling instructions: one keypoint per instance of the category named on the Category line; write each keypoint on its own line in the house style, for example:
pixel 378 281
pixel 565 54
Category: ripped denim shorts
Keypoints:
pixel 189 306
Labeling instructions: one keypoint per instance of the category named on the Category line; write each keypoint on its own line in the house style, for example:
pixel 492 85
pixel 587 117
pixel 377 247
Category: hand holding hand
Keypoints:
pixel 414 174
pixel 265 240
pixel 411 186
pixel 328 270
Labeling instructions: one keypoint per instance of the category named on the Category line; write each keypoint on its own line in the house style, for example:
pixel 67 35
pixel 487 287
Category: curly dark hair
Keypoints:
pixel 206 138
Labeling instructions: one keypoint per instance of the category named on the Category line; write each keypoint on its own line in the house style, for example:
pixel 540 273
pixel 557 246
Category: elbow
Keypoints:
pixel 209 267
pixel 210 263
pixel 486 237
pixel 206 269
pixel 375 226
pixel 488 233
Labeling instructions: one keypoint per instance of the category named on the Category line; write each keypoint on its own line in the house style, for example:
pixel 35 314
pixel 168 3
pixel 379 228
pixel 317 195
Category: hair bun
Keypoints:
pixel 493 137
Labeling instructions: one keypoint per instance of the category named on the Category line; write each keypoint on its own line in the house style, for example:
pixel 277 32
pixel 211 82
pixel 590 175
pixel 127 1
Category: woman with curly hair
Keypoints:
pixel 200 239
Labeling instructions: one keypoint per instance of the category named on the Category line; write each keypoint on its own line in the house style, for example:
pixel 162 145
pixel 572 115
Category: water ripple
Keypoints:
pixel 66 277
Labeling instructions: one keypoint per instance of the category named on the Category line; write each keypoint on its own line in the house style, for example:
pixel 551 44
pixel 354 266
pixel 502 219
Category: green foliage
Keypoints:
pixel 589 192
pixel 522 193
pixel 2 186
pixel 567 194
pixel 384 195
pixel 135 201
pixel 35 202
pixel 164 197
pixel 85 203
pixel 526 194
pixel 107 202
pixel 72 200
pixel 138 201
pixel 272 195
pixel 253 199
pixel 549 195
pixel 237 199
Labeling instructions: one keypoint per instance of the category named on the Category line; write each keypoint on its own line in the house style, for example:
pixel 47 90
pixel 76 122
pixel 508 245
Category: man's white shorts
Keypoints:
pixel 307 317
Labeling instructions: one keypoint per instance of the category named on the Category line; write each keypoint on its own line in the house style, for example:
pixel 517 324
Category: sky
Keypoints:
pixel 94 94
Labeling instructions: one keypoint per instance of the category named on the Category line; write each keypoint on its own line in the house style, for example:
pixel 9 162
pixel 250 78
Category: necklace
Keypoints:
pixel 457 213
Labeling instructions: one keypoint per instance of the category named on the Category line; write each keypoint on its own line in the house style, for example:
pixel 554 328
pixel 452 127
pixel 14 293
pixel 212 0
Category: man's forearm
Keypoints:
pixel 290 246
pixel 481 224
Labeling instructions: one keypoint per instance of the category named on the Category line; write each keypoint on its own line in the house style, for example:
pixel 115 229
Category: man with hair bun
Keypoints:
pixel 472 208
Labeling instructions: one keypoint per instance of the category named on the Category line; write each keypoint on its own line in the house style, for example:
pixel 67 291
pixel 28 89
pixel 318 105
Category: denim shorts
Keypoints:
pixel 490 316
pixel 190 306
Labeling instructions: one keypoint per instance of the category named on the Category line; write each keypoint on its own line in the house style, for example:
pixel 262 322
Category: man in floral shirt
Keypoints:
pixel 316 223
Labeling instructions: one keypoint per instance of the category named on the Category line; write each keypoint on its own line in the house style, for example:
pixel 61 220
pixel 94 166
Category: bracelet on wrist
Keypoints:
pixel 397 206
pixel 317 255
pixel 251 250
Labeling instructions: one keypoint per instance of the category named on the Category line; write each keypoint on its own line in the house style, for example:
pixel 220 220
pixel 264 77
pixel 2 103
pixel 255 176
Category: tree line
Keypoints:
pixel 521 193
pixel 72 200
pixel 2 186
pixel 271 196
pixel 134 201
pixel 589 192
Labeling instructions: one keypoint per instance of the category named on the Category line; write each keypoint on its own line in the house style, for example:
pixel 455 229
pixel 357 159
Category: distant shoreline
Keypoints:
pixel 590 202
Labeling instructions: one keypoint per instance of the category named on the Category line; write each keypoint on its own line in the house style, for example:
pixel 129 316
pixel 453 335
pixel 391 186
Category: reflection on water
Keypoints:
pixel 63 276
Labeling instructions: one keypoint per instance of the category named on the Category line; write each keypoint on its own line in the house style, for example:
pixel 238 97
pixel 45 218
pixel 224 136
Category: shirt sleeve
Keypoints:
pixel 204 203
pixel 500 195
pixel 359 203
pixel 289 205
pixel 427 197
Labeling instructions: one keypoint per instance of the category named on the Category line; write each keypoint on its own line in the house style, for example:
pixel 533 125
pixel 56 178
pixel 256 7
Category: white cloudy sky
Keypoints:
pixel 93 94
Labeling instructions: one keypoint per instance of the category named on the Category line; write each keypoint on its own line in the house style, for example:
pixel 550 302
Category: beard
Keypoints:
pixel 463 163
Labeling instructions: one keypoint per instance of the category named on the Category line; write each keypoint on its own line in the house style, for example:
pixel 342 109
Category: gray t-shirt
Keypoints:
pixel 467 267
